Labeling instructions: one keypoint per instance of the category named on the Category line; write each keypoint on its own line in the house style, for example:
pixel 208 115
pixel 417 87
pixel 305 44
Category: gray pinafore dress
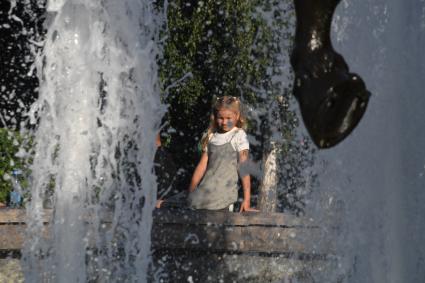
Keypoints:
pixel 219 186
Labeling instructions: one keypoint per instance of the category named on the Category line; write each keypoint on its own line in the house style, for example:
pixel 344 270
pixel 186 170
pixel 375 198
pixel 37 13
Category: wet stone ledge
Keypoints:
pixel 216 246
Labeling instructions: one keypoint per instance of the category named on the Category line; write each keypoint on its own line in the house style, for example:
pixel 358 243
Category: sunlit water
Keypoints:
pixel 377 174
pixel 99 112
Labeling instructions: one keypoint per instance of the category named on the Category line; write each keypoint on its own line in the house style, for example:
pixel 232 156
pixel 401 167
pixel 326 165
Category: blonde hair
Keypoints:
pixel 231 103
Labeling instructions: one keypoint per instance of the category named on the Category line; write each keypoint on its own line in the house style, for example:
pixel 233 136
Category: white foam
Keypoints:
pixel 99 112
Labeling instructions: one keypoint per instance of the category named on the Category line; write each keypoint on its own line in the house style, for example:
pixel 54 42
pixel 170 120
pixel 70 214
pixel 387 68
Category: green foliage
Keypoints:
pixel 10 143
pixel 209 51
pixel 229 47
pixel 215 48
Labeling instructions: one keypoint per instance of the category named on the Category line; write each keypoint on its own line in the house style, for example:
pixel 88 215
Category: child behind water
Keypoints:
pixel 225 148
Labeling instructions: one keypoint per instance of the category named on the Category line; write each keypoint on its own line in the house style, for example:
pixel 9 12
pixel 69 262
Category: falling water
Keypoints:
pixel 377 173
pixel 98 107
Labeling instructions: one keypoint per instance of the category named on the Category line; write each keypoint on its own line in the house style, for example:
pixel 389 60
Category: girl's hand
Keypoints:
pixel 159 203
pixel 246 206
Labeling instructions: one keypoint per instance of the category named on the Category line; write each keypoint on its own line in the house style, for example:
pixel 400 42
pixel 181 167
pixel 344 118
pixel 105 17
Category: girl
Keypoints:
pixel 224 153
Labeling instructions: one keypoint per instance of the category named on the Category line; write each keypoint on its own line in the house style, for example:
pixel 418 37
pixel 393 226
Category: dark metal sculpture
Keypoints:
pixel 332 100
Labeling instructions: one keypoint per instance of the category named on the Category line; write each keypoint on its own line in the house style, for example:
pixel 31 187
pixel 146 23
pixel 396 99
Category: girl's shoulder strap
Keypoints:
pixel 237 131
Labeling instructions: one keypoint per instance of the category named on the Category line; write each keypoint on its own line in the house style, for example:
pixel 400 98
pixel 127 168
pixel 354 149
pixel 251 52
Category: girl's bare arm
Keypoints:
pixel 199 172
pixel 245 180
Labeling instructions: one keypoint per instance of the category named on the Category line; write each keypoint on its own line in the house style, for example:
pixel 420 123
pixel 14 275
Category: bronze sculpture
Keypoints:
pixel 332 100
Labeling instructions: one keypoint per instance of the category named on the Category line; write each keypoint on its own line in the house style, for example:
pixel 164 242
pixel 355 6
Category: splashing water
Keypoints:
pixel 99 110
pixel 98 107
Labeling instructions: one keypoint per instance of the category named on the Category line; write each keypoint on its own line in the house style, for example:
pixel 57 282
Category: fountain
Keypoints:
pixel 378 171
pixel 98 113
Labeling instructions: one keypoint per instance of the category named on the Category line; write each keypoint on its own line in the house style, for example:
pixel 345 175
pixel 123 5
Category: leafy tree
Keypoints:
pixel 209 51
pixel 228 47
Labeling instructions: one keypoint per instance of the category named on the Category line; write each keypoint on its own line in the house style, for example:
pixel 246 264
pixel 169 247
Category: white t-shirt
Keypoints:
pixel 239 141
